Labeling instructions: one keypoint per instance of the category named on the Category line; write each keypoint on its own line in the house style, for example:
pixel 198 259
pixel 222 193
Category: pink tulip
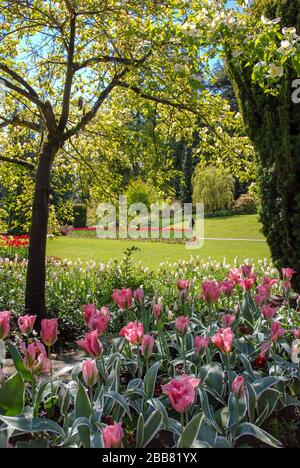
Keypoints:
pixel 268 312
pixel 228 320
pixel 90 373
pixel 49 332
pixel 227 287
pixel 113 436
pixel 248 283
pixel 99 322
pixel 211 291
pixel 276 332
pixel 263 295
pixel 4 324
pixel 183 285
pixel 181 392
pixel 238 387
pixel 133 332
pixel 35 358
pixel 201 343
pixel 88 311
pixel 224 340
pixel 157 310
pixel 287 274
pixel 247 270
pixel 91 344
pixel 235 275
pixel 182 324
pixel 297 333
pixel 123 298
pixel 269 282
pixel 104 312
pixel 147 346
pixel 26 324
pixel 138 296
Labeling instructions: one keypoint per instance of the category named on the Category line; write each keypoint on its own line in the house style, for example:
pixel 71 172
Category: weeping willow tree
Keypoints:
pixel 273 123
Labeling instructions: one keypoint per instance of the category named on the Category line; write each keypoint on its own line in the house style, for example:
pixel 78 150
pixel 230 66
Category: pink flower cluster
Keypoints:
pixel 35 357
pixel 96 319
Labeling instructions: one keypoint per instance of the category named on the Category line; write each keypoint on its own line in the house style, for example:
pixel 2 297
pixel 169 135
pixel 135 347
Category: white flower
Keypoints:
pixel 276 71
pixel 286 46
pixel 295 352
pixel 260 64
pixel 289 31
pixel 265 20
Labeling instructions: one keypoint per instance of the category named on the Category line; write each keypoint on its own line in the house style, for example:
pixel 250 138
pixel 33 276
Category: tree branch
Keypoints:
pixel 69 76
pixel 18 162
pixel 24 93
pixel 110 59
pixel 16 121
pixel 19 79
pixel 91 114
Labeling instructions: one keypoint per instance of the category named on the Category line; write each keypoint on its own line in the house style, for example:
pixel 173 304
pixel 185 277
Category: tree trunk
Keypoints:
pixel 273 124
pixel 35 302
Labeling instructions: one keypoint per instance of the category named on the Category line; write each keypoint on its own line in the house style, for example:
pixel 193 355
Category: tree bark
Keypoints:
pixel 35 300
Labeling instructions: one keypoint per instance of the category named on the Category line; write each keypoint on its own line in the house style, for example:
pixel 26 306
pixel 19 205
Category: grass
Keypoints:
pixel 153 253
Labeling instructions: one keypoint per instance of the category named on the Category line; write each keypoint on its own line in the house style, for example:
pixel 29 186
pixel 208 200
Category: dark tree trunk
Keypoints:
pixel 35 303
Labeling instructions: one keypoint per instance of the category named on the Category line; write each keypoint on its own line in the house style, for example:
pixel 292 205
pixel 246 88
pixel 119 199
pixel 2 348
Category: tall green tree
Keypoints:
pixel 273 123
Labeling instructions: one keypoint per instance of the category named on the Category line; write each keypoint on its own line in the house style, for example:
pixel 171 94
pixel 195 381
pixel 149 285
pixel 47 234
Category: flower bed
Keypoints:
pixel 14 246
pixel 213 370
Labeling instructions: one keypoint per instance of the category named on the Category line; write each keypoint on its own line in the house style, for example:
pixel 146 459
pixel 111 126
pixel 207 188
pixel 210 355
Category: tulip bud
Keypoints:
pixel 90 373
pixel 49 332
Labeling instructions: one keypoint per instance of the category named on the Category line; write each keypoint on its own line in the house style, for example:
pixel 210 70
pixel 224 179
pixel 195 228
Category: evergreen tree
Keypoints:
pixel 273 123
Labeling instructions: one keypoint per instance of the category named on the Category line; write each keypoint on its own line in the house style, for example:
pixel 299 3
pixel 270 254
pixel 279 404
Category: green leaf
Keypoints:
pixel 83 410
pixel 269 397
pixel 28 425
pixel 18 362
pixel 140 431
pixel 251 401
pixel 237 409
pixel 12 396
pixel 190 432
pixel 150 380
pixel 157 405
pixel 207 433
pixel 248 367
pixel 263 384
pixel 207 410
pixel 152 427
pixel 79 423
pixel 120 400
pixel 212 376
pixel 248 429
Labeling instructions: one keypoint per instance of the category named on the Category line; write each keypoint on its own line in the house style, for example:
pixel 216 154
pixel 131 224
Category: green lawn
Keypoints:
pixel 152 253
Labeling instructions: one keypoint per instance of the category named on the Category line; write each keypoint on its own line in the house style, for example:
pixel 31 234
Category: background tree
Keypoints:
pixel 213 188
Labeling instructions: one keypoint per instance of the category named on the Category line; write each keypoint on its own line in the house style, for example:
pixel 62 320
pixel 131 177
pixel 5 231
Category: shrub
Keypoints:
pixel 140 192
pixel 213 188
pixel 80 215
pixel 245 205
